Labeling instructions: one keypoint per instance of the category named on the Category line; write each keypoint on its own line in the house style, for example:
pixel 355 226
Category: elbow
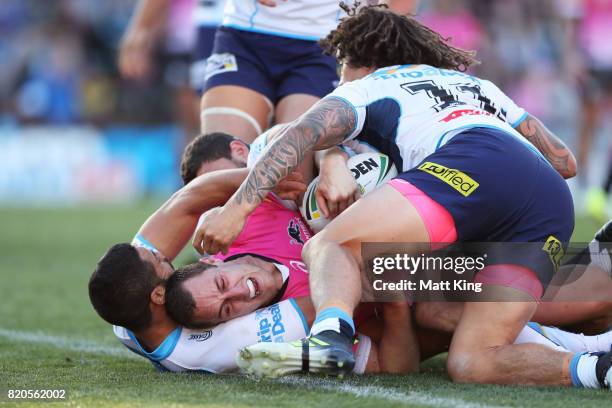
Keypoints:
pixel 571 169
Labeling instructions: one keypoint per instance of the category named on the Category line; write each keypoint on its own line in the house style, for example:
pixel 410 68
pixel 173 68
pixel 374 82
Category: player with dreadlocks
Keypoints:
pixel 475 167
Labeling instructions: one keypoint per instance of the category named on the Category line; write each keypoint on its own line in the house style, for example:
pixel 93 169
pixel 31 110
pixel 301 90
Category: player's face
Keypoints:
pixel 232 290
pixel 161 264
pixel 348 73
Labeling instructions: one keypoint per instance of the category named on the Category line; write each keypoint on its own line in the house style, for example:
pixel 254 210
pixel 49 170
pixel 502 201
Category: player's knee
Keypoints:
pixel 313 246
pixel 319 243
pixel 465 367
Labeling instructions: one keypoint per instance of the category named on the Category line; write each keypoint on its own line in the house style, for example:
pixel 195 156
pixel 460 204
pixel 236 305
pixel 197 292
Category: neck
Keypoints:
pixel 161 326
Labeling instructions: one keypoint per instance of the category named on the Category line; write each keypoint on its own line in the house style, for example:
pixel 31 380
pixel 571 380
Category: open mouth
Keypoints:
pixel 253 288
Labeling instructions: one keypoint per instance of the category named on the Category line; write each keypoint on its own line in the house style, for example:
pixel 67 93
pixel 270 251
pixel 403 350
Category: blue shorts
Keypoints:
pixel 203 49
pixel 272 65
pixel 497 189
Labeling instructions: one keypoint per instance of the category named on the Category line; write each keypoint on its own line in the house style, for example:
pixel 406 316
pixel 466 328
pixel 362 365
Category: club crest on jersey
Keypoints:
pixel 205 335
pixel 295 232
pixel 457 179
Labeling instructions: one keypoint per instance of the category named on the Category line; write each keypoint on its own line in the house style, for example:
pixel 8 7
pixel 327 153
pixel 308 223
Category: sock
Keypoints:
pixel 579 343
pixel 532 333
pixel 333 319
pixel 582 370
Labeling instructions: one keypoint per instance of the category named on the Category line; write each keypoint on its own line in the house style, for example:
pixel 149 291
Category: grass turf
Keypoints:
pixel 51 338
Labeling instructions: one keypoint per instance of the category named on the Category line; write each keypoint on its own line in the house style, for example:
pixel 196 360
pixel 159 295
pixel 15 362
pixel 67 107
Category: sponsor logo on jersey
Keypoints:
pixel 463 112
pixel 418 71
pixel 220 63
pixel 271 327
pixel 555 251
pixel 201 336
pixel 457 179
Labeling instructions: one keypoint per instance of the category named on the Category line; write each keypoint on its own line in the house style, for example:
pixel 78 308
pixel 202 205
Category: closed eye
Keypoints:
pixel 219 283
pixel 224 311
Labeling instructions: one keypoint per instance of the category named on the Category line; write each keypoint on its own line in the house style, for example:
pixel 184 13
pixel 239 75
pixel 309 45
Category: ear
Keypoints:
pixel 240 150
pixel 158 296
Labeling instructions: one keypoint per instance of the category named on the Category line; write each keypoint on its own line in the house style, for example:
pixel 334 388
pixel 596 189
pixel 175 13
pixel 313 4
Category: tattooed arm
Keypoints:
pixel 326 124
pixel 555 151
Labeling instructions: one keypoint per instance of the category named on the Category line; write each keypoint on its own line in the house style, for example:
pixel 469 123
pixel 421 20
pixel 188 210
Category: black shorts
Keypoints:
pixel 272 65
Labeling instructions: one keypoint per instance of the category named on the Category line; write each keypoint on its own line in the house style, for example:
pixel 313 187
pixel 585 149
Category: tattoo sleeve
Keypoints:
pixel 555 151
pixel 326 124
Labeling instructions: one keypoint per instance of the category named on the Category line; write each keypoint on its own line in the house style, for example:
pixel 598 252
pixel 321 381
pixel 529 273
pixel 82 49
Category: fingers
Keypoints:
pixel 134 65
pixel 295 176
pixel 206 244
pixel 321 202
pixel 287 189
pixel 198 241
pixel 269 3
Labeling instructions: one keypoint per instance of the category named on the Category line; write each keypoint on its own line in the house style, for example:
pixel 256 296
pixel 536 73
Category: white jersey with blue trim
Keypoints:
pixel 410 111
pixel 214 350
pixel 300 19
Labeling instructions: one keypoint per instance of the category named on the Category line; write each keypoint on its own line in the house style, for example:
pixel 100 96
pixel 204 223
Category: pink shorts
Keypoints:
pixel 438 221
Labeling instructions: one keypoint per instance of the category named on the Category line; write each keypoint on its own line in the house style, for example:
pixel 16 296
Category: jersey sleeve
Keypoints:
pixel 507 108
pixel 261 142
pixel 215 351
pixel 140 241
pixel 355 95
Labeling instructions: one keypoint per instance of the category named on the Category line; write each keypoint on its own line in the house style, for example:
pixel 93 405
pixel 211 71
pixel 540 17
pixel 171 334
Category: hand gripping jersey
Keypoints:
pixel 278 234
pixel 300 19
pixel 214 350
pixel 408 112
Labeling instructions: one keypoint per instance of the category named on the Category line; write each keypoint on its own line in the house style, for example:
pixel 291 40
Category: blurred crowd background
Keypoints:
pixel 72 130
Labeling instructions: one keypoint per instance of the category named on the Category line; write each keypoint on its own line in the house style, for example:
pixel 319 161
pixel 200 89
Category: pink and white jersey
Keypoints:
pixel 278 233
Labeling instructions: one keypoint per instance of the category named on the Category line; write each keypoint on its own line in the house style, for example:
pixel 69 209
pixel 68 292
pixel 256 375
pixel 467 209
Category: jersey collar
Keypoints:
pixel 164 349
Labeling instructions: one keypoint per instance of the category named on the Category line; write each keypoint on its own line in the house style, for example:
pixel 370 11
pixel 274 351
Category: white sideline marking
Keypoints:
pixel 65 343
pixel 389 394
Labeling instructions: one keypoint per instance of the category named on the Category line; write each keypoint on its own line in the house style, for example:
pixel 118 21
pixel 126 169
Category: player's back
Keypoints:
pixel 409 111
pixel 300 19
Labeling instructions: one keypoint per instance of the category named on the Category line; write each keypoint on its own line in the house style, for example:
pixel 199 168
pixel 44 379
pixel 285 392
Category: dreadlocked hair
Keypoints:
pixel 376 37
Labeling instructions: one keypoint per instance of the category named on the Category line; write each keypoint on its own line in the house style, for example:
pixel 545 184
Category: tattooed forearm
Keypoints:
pixel 555 151
pixel 326 124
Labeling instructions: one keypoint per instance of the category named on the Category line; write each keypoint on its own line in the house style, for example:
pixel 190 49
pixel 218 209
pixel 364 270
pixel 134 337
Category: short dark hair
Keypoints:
pixel 120 287
pixel 203 149
pixel 179 302
pixel 376 37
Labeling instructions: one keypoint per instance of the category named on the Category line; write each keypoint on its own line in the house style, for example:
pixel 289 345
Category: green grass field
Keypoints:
pixel 51 338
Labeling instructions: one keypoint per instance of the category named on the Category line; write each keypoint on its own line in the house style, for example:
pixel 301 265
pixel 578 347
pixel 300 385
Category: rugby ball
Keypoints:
pixel 370 170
